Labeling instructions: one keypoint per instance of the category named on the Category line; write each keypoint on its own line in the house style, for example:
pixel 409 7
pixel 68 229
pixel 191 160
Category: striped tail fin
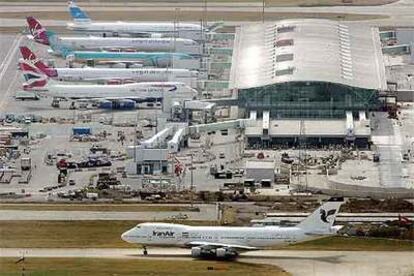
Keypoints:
pixel 31 58
pixel 35 79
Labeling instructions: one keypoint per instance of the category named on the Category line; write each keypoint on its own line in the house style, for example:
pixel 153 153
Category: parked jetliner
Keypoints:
pixel 92 74
pixel 82 22
pixel 153 59
pixel 170 44
pixel 225 242
pixel 131 91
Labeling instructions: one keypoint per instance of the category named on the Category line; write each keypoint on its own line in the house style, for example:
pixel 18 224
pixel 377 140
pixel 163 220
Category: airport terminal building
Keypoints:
pixel 307 68
pixel 307 77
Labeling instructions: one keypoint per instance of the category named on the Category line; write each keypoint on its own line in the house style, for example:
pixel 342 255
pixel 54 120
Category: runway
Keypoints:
pixel 207 213
pixel 338 263
pixel 400 13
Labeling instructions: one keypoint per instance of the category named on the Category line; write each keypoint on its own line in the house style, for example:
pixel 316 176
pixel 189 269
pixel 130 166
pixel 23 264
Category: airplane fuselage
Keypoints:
pixel 127 91
pixel 139 44
pixel 153 59
pixel 135 27
pixel 139 75
pixel 181 235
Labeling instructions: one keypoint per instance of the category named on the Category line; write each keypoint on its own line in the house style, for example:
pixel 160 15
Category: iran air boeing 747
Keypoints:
pixel 227 242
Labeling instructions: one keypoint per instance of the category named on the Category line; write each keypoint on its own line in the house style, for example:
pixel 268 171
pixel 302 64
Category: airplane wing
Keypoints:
pixel 220 245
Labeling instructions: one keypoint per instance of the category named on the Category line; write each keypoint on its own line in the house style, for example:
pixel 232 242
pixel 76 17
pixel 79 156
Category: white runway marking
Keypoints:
pixel 5 66
pixel 8 52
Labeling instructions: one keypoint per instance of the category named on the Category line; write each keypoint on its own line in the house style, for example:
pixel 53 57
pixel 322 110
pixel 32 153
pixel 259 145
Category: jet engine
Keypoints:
pixel 70 57
pixel 226 253
pixel 196 252
pixel 221 252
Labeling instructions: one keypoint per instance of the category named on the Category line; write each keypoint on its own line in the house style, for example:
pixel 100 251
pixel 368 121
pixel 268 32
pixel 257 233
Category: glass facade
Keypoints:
pixel 308 99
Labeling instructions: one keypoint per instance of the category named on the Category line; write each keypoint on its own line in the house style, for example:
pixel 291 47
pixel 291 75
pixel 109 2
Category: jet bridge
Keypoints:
pixel 158 140
pixel 183 132
pixel 176 141
pixel 349 126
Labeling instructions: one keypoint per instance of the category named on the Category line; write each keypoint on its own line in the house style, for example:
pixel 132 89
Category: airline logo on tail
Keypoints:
pixel 325 215
pixel 31 59
pixel 37 30
pixel 35 79
pixel 77 14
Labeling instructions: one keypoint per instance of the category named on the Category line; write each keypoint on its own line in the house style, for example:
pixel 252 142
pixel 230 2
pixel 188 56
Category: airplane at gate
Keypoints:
pixel 82 23
pixel 153 59
pixel 36 80
pixel 228 242
pixel 98 43
pixel 92 74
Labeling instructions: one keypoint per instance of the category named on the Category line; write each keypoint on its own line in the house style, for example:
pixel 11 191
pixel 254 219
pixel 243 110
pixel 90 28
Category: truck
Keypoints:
pixel 26 163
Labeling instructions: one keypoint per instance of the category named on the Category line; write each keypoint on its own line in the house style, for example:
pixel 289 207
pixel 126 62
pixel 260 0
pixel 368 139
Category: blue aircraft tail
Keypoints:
pixel 56 45
pixel 77 14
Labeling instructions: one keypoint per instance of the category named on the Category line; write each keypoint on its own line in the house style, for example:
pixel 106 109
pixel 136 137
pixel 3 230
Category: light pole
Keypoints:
pixel 263 10
pixel 191 181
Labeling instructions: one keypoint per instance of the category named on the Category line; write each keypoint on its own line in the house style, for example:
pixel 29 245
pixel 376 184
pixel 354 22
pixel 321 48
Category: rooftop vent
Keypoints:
pixel 288 71
pixel 285 29
pixel 284 42
pixel 284 57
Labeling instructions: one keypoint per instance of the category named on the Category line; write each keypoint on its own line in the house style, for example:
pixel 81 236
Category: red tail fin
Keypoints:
pixel 37 30
pixel 35 79
pixel 28 55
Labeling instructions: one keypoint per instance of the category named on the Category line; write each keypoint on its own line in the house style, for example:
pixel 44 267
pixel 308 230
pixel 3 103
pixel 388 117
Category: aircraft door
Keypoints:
pixel 149 235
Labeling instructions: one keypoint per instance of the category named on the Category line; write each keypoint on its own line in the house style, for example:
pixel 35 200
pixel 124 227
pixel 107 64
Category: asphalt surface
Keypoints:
pixel 207 213
pixel 400 13
pixel 339 263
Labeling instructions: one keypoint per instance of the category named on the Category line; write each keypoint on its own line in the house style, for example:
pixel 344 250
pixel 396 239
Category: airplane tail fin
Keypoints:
pixel 34 78
pixel 56 44
pixel 31 58
pixel 77 14
pixel 37 30
pixel 321 221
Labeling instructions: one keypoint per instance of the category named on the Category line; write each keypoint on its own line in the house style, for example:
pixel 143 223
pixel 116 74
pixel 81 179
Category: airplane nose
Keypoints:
pixel 125 236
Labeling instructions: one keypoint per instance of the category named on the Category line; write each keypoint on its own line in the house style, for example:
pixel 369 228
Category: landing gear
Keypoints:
pixel 55 103
pixel 144 251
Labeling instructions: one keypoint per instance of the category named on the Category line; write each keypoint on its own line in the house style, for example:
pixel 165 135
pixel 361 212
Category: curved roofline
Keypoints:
pixel 323 50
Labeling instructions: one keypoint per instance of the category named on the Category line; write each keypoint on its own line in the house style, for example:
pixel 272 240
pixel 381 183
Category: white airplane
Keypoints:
pixel 138 92
pixel 82 22
pixel 181 45
pixel 228 242
pixel 114 75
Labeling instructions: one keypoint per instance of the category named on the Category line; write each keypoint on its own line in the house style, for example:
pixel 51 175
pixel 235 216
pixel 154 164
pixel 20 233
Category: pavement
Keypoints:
pixel 338 263
pixel 206 213
pixel 399 13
